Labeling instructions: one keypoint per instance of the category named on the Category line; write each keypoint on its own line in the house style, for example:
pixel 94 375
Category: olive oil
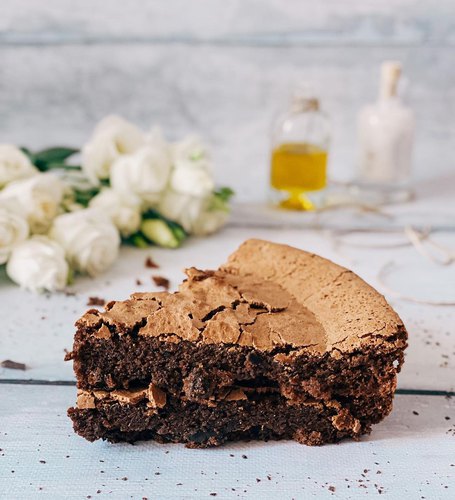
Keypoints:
pixel 298 165
pixel 296 169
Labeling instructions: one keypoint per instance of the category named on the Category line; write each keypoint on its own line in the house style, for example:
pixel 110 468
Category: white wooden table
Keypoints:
pixel 409 455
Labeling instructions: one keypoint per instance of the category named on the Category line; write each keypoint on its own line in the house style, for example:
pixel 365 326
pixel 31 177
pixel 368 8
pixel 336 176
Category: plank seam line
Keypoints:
pixel 234 42
pixel 71 383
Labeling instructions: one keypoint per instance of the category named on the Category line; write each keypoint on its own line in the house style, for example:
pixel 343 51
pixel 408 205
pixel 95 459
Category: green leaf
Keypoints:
pixel 84 197
pixel 220 200
pixel 224 193
pixel 26 152
pixel 51 158
pixel 152 214
pixel 137 240
pixel 58 154
pixel 178 230
pixel 70 277
pixel 55 165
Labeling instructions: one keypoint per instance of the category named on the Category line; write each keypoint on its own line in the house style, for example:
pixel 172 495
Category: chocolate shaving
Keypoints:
pixel 95 301
pixel 13 365
pixel 150 263
pixel 161 281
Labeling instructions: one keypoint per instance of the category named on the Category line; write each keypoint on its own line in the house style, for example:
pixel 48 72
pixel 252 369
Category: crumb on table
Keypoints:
pixel 150 263
pixel 96 301
pixel 13 365
pixel 161 281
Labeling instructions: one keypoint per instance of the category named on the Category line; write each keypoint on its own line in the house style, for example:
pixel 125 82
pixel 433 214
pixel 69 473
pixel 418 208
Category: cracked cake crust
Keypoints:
pixel 248 303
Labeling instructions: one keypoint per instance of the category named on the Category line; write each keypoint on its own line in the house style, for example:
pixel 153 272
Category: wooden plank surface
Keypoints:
pixel 409 455
pixel 37 329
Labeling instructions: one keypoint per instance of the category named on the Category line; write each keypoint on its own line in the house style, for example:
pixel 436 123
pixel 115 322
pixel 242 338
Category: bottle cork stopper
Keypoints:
pixel 304 98
pixel 390 74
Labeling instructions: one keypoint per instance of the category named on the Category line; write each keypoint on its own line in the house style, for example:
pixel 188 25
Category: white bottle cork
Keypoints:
pixel 390 74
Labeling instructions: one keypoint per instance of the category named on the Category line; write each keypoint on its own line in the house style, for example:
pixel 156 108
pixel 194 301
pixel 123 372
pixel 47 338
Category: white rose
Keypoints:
pixel 209 221
pixel 124 211
pixel 112 137
pixel 196 215
pixel 194 181
pixel 155 140
pixel 14 165
pixel 89 238
pixel 144 174
pixel 38 264
pixel 181 208
pixel 192 148
pixel 39 197
pixel 13 230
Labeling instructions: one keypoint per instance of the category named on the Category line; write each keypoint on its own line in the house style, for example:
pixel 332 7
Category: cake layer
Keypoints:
pixel 118 417
pixel 199 371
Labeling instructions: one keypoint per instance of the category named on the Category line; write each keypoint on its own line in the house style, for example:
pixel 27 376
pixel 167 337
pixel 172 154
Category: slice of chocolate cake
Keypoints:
pixel 277 343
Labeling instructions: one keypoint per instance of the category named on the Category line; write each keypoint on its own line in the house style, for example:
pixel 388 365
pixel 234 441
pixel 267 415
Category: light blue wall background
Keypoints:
pixel 222 68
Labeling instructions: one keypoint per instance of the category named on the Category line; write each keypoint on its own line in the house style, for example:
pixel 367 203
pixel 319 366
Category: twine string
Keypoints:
pixel 419 239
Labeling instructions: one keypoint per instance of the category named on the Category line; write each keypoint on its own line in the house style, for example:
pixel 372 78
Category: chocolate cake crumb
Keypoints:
pixel 95 301
pixel 138 282
pixel 415 412
pixel 151 264
pixel 13 365
pixel 161 281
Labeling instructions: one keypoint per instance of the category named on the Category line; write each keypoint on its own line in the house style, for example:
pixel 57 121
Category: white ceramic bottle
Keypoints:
pixel 386 135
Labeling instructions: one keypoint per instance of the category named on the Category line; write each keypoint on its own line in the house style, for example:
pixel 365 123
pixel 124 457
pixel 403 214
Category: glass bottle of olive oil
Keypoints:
pixel 299 154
